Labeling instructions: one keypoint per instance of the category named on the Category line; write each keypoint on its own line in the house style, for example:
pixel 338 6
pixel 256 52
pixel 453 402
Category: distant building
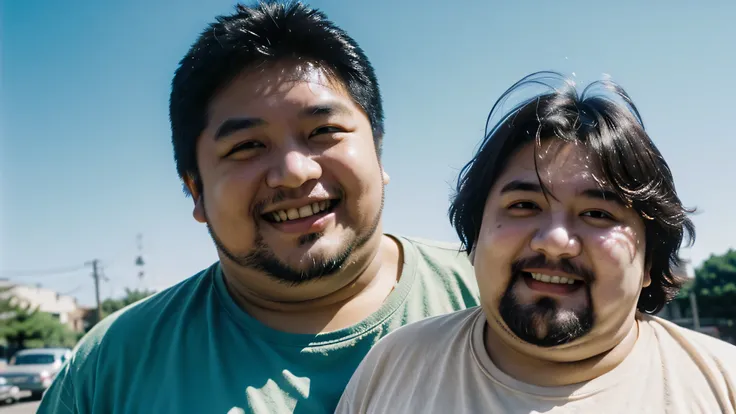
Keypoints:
pixel 62 307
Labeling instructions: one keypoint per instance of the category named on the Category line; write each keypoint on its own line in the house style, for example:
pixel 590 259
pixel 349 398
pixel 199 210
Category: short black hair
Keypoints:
pixel 609 126
pixel 267 32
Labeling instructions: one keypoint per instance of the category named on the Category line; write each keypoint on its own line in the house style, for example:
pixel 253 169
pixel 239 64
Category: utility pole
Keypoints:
pixel 96 277
pixel 694 306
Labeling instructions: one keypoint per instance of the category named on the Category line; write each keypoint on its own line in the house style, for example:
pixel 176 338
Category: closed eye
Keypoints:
pixel 244 146
pixel 327 129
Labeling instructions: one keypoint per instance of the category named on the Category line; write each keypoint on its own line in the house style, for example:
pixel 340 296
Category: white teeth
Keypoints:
pixel 301 212
pixel 561 280
pixel 292 213
pixel 305 211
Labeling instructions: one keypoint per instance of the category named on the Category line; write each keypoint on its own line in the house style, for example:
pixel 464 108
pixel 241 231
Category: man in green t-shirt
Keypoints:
pixel 277 126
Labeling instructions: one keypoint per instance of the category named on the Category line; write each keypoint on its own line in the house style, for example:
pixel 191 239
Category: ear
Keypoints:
pixel 197 196
pixel 386 178
pixel 647 280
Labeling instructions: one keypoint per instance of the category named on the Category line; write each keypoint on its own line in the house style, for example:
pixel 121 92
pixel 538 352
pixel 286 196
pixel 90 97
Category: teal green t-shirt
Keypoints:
pixel 191 349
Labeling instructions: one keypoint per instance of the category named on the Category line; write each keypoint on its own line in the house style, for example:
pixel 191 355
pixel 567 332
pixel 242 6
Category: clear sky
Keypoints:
pixel 86 161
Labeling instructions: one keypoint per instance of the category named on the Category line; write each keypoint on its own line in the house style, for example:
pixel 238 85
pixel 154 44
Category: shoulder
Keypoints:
pixel 424 338
pixel 105 350
pixel 438 257
pixel 129 325
pixel 160 305
pixel 440 327
pixel 408 356
pixel 450 250
pixel 443 265
pixel 720 353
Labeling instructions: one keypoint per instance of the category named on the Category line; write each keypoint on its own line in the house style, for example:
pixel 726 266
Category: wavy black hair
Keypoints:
pixel 608 125
pixel 268 32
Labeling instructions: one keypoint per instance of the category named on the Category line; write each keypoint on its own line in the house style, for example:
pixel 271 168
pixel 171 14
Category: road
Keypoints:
pixel 26 406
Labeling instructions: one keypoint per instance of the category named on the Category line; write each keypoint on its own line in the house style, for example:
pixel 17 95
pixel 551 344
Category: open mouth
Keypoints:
pixel 320 208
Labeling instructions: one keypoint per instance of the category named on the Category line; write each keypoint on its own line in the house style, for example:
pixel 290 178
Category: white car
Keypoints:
pixel 34 369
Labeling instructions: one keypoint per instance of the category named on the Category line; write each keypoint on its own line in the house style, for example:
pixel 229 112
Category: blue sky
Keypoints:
pixel 86 161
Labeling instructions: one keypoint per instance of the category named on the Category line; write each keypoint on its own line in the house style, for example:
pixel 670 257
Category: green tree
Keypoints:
pixel 112 305
pixel 131 296
pixel 26 327
pixel 715 286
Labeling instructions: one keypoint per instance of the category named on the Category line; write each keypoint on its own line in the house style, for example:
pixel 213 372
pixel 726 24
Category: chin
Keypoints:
pixel 325 244
pixel 308 251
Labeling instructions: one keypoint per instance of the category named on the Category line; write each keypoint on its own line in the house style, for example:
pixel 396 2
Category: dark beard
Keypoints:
pixel 542 323
pixel 539 323
pixel 261 258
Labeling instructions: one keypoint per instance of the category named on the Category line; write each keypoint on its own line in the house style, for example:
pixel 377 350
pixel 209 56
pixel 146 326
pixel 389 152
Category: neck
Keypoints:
pixel 548 373
pixel 338 301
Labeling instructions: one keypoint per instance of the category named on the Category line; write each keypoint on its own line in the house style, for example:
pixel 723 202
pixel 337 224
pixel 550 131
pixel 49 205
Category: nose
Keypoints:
pixel 293 170
pixel 556 240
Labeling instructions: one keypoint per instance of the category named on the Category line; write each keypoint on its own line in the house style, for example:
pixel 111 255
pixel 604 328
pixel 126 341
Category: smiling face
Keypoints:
pixel 564 268
pixel 292 184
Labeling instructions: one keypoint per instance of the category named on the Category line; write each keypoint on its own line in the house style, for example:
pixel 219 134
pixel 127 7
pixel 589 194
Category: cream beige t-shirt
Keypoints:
pixel 440 365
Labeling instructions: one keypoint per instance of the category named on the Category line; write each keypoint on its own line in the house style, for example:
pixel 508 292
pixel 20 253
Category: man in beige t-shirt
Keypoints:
pixel 574 224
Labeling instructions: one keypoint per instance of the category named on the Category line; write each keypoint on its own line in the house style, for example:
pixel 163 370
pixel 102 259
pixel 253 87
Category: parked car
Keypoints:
pixel 9 393
pixel 34 369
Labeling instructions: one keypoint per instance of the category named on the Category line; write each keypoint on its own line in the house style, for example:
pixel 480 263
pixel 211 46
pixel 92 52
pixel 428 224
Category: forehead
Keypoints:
pixel 558 164
pixel 279 87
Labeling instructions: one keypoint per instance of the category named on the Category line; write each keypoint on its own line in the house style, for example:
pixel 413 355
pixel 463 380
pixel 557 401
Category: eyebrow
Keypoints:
pixel 594 193
pixel 518 185
pixel 322 110
pixel 603 194
pixel 234 125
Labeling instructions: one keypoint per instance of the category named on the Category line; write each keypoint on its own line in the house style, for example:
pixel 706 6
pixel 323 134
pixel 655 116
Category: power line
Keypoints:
pixel 39 279
pixel 98 275
pixel 41 272
pixel 75 290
